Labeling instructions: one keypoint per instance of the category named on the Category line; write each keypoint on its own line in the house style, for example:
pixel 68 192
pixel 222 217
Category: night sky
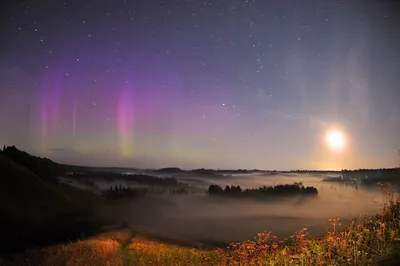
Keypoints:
pixel 213 84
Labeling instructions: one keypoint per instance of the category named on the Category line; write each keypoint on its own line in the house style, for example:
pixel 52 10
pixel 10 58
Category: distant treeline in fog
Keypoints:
pixel 279 190
pixel 137 178
pixel 120 192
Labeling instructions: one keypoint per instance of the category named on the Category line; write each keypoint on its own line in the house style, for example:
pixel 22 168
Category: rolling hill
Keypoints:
pixel 38 212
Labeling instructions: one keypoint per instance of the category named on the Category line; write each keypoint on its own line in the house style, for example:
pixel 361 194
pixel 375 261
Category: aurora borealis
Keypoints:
pixel 214 84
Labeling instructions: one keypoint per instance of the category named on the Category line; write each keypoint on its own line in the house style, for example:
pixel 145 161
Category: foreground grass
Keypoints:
pixel 369 241
pixel 116 248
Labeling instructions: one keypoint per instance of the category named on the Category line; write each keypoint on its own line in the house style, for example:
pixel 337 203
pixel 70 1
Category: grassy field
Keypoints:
pixel 39 213
pixel 369 241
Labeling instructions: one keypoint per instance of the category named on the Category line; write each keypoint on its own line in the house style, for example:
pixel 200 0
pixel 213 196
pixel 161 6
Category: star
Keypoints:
pixel 184 68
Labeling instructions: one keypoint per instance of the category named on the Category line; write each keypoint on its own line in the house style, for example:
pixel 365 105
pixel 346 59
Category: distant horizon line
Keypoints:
pixel 218 169
pixel 237 169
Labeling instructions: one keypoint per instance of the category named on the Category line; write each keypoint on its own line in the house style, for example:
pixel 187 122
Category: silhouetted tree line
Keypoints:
pixel 138 178
pixel 279 190
pixel 204 171
pixel 118 192
pixel 243 171
pixel 218 171
pixel 364 170
pixel 169 170
pixel 42 167
pixel 361 170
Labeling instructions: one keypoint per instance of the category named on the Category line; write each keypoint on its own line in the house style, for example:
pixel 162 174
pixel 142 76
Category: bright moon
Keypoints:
pixel 335 140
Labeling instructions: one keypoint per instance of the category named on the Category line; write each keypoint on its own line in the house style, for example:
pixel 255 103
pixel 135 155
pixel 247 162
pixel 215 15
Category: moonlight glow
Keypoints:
pixel 335 140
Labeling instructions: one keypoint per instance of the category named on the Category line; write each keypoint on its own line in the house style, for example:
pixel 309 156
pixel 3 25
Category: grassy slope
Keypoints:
pixel 372 241
pixel 123 247
pixel 34 211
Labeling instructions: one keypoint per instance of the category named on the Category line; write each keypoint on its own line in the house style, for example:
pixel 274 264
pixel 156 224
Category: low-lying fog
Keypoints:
pixel 200 218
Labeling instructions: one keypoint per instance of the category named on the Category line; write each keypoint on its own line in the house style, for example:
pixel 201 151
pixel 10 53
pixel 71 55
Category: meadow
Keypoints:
pixel 68 222
pixel 370 240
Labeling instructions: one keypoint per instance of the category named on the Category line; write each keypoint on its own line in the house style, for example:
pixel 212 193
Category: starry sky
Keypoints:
pixel 213 84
